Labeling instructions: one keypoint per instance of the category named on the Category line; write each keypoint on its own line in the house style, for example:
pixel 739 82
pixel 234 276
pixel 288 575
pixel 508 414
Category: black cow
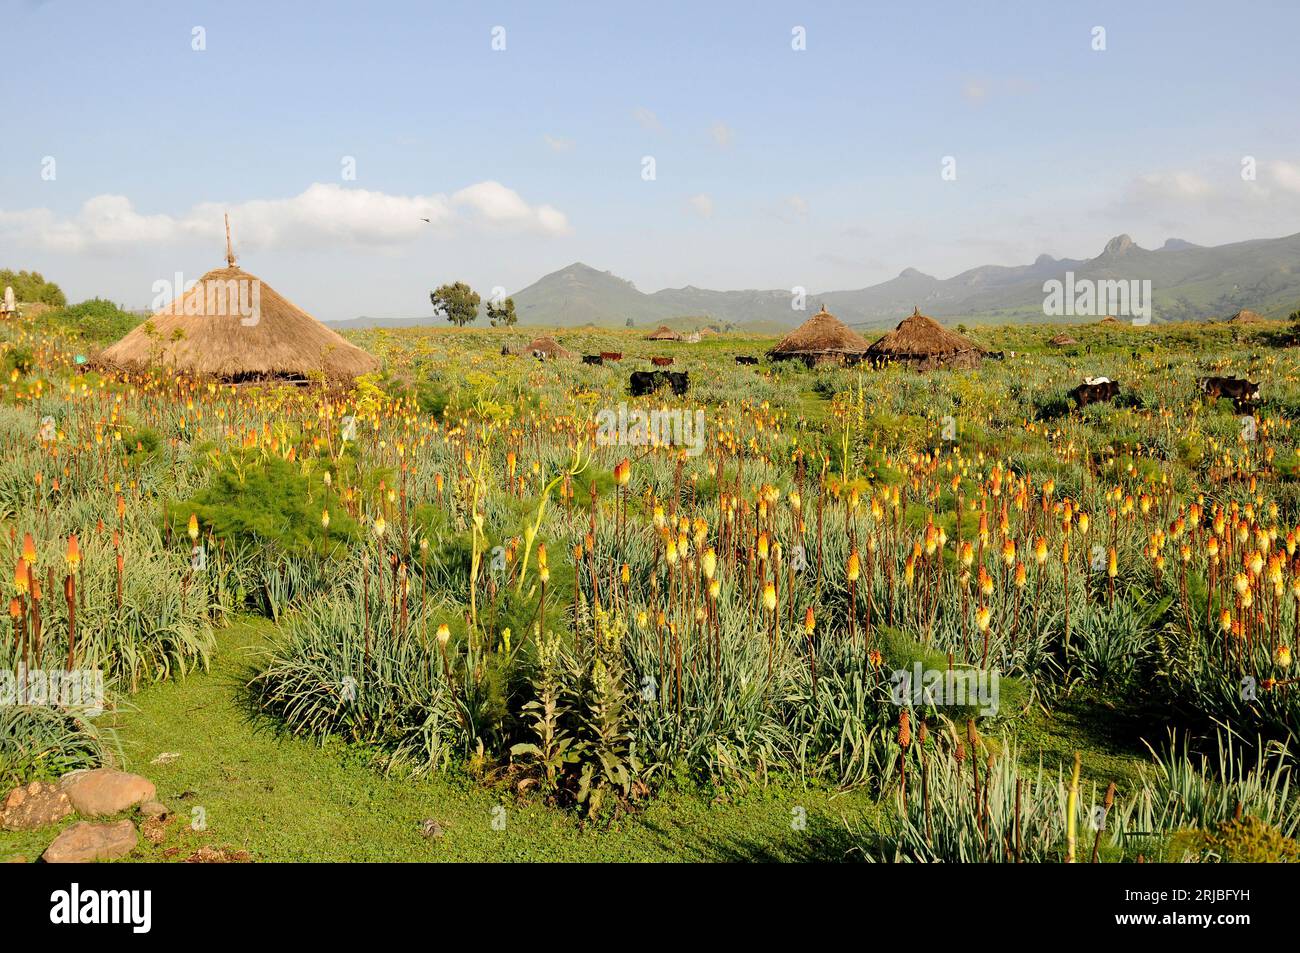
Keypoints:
pixel 1243 394
pixel 996 355
pixel 1095 390
pixel 743 359
pixel 592 359
pixel 647 382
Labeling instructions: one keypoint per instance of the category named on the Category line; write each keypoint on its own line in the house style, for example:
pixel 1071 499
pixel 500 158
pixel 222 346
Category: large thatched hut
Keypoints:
pixel 1246 316
pixel 663 333
pixel 924 344
pixel 233 326
pixel 822 339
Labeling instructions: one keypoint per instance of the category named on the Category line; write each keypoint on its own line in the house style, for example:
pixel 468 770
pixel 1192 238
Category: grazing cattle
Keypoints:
pixel 661 361
pixel 647 382
pixel 1095 390
pixel 679 381
pixel 996 355
pixel 745 359
pixel 592 359
pixel 1243 394
pixel 611 355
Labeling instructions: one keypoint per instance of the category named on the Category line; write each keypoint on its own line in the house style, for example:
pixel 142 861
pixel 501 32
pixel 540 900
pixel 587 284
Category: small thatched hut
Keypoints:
pixel 924 344
pixel 663 333
pixel 235 327
pixel 1110 319
pixel 546 348
pixel 1062 340
pixel 821 339
pixel 1246 316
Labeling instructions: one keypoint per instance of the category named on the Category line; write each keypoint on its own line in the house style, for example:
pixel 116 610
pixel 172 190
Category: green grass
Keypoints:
pixel 284 799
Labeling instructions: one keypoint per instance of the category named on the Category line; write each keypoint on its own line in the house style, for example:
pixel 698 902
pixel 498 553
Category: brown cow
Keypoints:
pixel 1243 394
pixel 1095 390
pixel 661 361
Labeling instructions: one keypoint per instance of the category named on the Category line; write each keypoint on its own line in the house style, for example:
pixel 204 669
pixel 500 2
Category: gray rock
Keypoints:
pixel 84 842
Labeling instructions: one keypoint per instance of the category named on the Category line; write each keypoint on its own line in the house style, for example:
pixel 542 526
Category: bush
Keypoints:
pixel 93 320
pixel 266 501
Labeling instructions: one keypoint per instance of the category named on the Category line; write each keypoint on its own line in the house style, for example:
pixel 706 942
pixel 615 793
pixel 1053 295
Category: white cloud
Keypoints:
pixel 722 133
pixel 703 205
pixel 648 120
pixel 1175 185
pixel 322 214
pixel 1286 175
pixel 558 143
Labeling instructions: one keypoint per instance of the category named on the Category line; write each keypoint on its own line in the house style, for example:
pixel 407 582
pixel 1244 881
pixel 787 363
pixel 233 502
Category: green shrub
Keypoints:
pixel 93 320
pixel 267 500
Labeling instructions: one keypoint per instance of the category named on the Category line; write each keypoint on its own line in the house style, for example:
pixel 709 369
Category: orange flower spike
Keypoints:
pixel 73 555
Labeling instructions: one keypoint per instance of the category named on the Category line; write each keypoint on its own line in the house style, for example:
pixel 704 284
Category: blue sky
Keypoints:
pixel 773 167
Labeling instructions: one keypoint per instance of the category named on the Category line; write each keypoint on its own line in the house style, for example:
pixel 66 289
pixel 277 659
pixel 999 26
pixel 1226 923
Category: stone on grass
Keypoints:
pixel 34 805
pixel 84 842
pixel 105 791
pixel 152 808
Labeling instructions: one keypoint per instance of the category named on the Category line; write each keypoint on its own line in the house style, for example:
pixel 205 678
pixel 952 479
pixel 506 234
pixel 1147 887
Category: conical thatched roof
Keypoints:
pixel 1109 319
pixel 663 333
pixel 234 326
pixel 823 336
pixel 1062 340
pixel 547 347
pixel 1246 316
pixel 925 343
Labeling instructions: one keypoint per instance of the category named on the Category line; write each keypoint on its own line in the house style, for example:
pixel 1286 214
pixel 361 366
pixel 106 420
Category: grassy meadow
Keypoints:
pixel 436 596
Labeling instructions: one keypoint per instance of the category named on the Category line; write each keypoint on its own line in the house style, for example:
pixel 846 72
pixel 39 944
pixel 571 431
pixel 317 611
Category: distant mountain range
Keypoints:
pixel 1188 282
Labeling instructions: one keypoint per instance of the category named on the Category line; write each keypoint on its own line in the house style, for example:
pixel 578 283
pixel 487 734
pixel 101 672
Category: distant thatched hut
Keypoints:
pixel 1109 319
pixel 1246 316
pixel 822 339
pixel 663 333
pixel 924 344
pixel 235 327
pixel 1062 340
pixel 547 348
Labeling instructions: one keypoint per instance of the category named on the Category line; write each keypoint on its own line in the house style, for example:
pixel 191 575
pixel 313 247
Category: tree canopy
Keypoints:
pixel 458 303
pixel 31 287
